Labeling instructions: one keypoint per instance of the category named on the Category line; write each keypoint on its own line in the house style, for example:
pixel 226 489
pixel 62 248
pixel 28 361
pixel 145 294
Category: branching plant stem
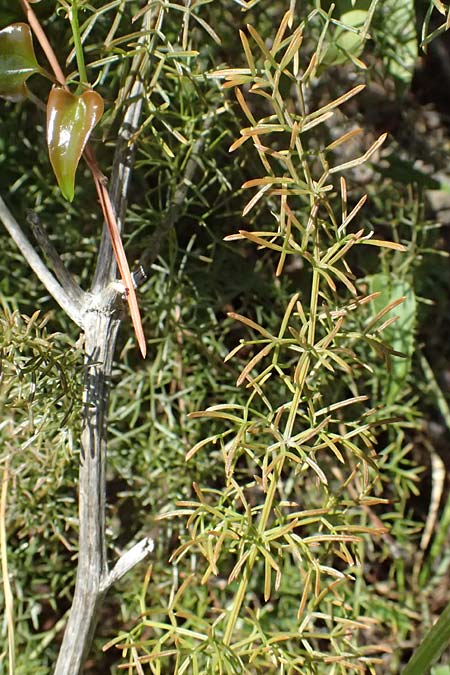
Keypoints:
pixel 101 325
pixel 277 471
pixel 62 295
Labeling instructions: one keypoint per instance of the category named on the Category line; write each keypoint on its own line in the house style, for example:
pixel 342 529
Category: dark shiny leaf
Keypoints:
pixel 17 61
pixel 70 120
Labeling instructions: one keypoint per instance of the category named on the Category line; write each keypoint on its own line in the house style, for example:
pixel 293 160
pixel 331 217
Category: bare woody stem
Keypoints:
pixel 63 296
pixel 99 315
pixel 101 326
pixel 93 579
pixel 119 251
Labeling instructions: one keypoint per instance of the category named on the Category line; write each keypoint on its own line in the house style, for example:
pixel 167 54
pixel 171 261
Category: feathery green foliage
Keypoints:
pixel 273 441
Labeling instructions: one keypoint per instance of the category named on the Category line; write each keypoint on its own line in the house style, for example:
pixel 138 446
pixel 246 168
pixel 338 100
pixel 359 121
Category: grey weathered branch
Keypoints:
pixel 99 314
pixel 127 561
pixel 105 270
pixel 62 295
pixel 64 276
pixel 101 324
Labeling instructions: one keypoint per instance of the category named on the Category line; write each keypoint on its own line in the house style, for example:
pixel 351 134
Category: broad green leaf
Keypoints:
pixel 346 43
pixel 403 171
pixel 17 61
pixel 343 6
pixel 399 43
pixel 400 334
pixel 431 647
pixel 70 120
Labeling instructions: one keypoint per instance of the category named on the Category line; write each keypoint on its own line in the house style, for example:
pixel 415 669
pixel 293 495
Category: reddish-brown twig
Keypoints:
pixel 43 41
pixel 117 245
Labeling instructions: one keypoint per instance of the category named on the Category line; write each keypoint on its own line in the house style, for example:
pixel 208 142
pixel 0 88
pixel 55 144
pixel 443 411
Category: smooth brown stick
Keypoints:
pixel 43 41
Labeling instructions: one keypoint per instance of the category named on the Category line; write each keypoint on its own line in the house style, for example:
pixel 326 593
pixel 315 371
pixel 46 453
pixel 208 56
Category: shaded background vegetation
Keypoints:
pixel 197 279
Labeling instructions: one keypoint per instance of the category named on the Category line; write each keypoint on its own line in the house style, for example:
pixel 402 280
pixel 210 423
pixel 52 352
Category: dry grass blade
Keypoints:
pixel 255 199
pixel 360 160
pixel 294 46
pixel 383 312
pixel 7 592
pixel 286 20
pixel 337 101
pixel 344 138
pixel 316 121
pixel 242 102
pixel 341 404
pixel 437 490
pixel 252 363
pixel 260 42
pixel 248 52
pixel 251 324
pixel 346 220
pixel 384 244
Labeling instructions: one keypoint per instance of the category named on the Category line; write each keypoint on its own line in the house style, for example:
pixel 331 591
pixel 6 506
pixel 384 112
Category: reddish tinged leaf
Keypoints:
pixel 70 120
pixel 17 61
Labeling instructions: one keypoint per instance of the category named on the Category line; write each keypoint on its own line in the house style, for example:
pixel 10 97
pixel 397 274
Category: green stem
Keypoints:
pixel 240 595
pixel 315 285
pixel 73 16
pixel 271 492
pixel 311 340
pixel 239 598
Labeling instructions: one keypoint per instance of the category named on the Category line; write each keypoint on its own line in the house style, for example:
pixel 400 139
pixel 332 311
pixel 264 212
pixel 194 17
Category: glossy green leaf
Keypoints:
pixel 70 120
pixel 17 61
